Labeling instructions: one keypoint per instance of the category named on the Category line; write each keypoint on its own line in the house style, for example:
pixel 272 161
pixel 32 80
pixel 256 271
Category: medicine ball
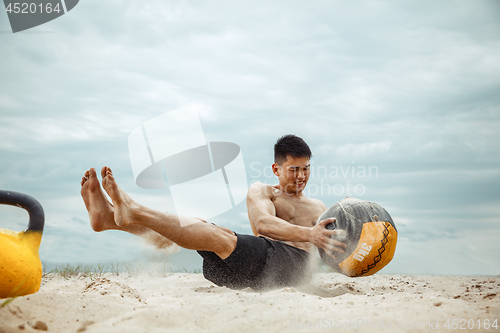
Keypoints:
pixel 371 237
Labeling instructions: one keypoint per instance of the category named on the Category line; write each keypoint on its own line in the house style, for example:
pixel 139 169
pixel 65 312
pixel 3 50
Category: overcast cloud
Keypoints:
pixel 406 90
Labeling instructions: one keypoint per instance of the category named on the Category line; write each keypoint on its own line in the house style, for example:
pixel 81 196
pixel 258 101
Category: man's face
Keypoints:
pixel 293 174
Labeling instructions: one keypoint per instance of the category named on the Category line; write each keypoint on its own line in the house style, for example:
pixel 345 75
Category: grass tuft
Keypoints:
pixel 94 271
pixel 68 271
pixel 7 301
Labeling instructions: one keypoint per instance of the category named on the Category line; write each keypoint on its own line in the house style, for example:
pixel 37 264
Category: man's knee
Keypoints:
pixel 227 241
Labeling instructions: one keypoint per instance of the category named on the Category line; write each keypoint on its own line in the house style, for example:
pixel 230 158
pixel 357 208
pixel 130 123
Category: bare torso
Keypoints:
pixel 297 210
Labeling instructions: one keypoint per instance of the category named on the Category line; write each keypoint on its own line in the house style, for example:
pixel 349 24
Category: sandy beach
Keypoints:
pixel 186 302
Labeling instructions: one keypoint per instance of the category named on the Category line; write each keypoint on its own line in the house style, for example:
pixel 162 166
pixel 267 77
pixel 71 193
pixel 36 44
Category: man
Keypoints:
pixel 282 218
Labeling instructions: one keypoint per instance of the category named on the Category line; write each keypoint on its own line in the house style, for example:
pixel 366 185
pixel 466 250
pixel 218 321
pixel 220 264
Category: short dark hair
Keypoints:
pixel 290 145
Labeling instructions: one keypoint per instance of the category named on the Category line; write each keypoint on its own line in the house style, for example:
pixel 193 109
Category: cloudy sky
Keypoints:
pixel 409 92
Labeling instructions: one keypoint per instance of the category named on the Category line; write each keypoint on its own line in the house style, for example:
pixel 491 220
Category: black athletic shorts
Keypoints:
pixel 258 263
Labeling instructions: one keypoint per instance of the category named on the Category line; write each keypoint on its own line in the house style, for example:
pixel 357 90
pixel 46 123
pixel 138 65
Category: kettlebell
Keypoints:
pixel 20 265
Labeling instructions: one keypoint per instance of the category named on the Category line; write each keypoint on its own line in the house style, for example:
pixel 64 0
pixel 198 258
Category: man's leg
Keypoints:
pixel 127 215
pixel 101 212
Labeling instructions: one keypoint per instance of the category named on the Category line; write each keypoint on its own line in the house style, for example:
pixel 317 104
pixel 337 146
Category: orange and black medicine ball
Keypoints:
pixel 371 237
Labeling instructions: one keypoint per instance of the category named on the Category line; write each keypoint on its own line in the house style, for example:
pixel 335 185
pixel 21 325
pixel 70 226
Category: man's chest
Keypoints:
pixel 304 213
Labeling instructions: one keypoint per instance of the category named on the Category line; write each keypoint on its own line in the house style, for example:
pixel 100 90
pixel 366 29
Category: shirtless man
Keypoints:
pixel 283 217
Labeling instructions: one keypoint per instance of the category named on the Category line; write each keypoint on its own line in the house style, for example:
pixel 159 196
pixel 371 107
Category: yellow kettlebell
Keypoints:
pixel 20 265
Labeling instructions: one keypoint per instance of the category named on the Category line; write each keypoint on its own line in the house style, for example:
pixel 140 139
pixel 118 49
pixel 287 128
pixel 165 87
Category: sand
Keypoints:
pixel 180 302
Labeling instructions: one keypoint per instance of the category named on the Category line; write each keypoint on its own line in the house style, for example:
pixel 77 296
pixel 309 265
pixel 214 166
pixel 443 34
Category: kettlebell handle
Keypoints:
pixel 35 210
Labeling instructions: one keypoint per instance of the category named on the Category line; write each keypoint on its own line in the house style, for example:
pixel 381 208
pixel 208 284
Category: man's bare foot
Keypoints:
pixel 122 203
pixel 101 212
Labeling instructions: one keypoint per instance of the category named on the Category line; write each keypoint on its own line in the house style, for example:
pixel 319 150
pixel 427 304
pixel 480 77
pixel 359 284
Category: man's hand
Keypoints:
pixel 321 237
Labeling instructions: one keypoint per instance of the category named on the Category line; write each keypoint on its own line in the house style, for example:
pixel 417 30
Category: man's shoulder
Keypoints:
pixel 261 190
pixel 318 202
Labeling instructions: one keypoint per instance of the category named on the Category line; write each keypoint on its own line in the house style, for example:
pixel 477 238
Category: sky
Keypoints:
pixel 405 94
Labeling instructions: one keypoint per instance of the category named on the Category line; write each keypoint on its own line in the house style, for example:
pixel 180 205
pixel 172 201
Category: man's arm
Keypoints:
pixel 262 215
